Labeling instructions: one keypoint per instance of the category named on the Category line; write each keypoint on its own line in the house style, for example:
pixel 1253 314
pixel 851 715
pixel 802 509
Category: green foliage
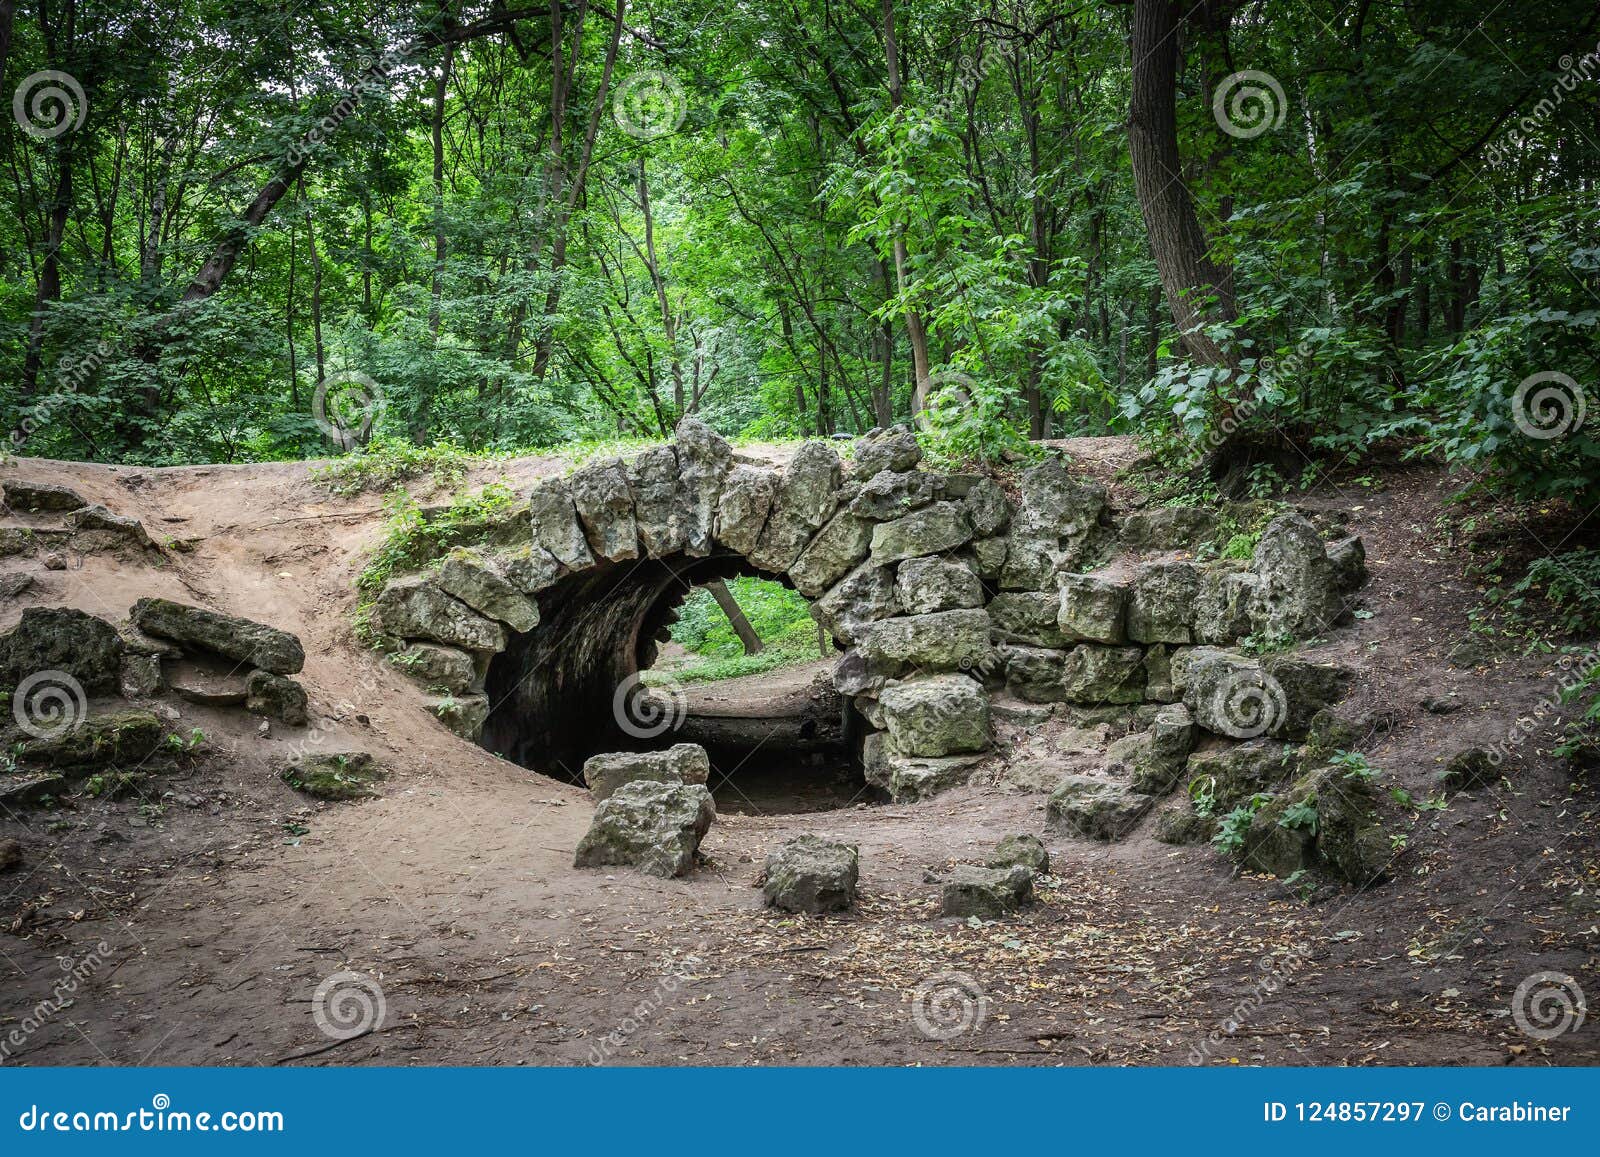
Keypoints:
pixel 385 462
pixel 1570 584
pixel 1300 816
pixel 1241 546
pixel 1355 766
pixel 1233 827
pixel 416 536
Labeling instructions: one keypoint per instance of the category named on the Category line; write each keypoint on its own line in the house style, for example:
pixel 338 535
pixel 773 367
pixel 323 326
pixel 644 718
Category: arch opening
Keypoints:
pixel 581 683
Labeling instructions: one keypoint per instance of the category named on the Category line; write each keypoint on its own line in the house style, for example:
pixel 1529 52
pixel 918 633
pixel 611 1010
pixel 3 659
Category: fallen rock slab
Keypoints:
pixel 42 496
pixel 812 874
pixel 654 827
pixel 277 697
pixel 1097 808
pixel 987 893
pixel 227 635
pixel 97 740
pixel 681 763
pixel 1024 849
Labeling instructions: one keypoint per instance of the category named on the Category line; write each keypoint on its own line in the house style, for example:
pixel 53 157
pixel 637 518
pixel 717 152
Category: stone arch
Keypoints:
pixel 938 588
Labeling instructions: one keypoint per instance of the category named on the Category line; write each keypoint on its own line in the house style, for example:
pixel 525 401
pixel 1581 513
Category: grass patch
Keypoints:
pixel 781 618
pixel 385 463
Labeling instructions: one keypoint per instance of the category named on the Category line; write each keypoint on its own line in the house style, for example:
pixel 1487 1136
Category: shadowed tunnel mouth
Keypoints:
pixel 571 688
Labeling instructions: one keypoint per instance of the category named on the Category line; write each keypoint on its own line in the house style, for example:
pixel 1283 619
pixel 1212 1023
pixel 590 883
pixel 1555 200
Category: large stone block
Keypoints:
pixel 934 529
pixel 476 581
pixel 1052 527
pixel 927 585
pixel 227 635
pixel 1093 608
pixel 863 597
pixel 1095 674
pixel 888 496
pixel 606 773
pixel 811 874
pixel 414 608
pixel 936 716
pixel 1161 603
pixel 985 893
pixel 658 506
pixel 836 550
pixel 1299 595
pixel 65 641
pixel 604 502
pixel 946 641
pixel 704 459
pixel 1096 808
pixel 555 525
pixel 654 827
pixel 744 506
pixel 808 494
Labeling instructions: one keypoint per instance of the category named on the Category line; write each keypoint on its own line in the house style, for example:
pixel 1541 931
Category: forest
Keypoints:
pixel 240 233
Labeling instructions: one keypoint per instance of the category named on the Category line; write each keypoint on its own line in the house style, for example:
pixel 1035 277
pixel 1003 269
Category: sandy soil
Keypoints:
pixel 213 907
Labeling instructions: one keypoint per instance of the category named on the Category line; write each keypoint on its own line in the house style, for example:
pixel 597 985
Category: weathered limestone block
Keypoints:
pixel 988 556
pixel 462 714
pixel 277 697
pixel 1242 697
pixel 653 477
pixel 888 496
pixel 988 508
pixel 704 459
pixel 1093 609
pixel 654 827
pixel 934 529
pixel 936 716
pixel 604 502
pixel 555 524
pixel 1096 808
pixel 1095 674
pixel 1299 594
pixel 1224 602
pixel 836 550
pixel 1035 673
pixel 118 737
pixel 1052 527
pixel 476 581
pixel 863 597
pixel 893 449
pixel 41 496
pixel 1025 849
pixel 61 639
pixel 945 641
pixel 446 668
pixel 1161 604
pixel 807 497
pixel 927 585
pixel 96 528
pixel 1231 775
pixel 987 893
pixel 414 608
pixel 1168 528
pixel 531 568
pixel 604 774
pixel 343 775
pixel 1028 617
pixel 743 507
pixel 227 635
pixel 811 874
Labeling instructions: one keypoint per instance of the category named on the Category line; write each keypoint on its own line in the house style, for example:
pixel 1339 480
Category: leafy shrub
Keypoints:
pixel 385 462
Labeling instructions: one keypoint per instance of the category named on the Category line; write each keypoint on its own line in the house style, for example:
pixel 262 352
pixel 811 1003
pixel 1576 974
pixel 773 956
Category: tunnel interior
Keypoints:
pixel 573 687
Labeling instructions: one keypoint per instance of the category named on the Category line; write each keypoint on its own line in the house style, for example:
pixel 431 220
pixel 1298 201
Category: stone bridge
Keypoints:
pixel 940 589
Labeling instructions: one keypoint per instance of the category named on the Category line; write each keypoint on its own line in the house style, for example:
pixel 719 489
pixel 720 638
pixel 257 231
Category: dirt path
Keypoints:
pixel 223 900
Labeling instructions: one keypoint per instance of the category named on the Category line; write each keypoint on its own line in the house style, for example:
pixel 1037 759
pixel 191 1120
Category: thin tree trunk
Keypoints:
pixel 1197 291
pixel 915 330
pixel 441 90
pixel 736 617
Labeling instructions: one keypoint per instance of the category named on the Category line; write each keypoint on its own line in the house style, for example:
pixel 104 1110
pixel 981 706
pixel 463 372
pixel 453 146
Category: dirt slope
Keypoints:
pixel 223 899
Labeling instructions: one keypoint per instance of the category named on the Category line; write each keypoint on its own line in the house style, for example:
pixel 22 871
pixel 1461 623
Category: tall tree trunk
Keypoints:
pixel 736 617
pixel 441 90
pixel 1196 289
pixel 915 331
